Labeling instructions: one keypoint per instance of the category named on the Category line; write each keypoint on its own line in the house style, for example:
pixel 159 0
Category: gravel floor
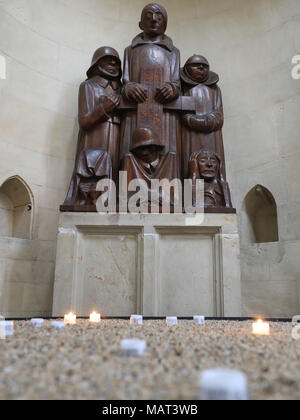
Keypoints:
pixel 85 362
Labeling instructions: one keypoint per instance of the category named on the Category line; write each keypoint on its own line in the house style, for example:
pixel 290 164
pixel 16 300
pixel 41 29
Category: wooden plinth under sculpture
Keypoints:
pixel 157 122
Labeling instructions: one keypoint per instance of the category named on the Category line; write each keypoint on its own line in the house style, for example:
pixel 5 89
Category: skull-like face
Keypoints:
pixel 208 166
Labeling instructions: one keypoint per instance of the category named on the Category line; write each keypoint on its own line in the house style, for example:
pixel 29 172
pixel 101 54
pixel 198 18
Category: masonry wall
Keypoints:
pixel 48 45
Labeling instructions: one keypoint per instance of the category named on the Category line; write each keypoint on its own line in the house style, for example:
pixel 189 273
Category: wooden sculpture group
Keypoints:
pixel 154 121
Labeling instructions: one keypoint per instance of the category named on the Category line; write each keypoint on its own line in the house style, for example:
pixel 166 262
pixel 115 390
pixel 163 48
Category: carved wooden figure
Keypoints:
pixel 98 142
pixel 147 161
pixel 207 165
pixel 151 80
pixel 202 130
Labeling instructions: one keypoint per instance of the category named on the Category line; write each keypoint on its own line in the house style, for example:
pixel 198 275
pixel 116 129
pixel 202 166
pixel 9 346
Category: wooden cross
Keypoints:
pixel 150 112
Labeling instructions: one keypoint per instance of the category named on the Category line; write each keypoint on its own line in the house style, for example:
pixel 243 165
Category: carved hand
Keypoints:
pixel 110 103
pixel 195 123
pixel 137 93
pixel 165 93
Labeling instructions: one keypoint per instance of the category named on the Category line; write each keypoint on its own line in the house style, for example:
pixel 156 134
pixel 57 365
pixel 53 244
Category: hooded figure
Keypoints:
pixel 207 165
pixel 202 130
pixel 152 52
pixel 147 160
pixel 98 142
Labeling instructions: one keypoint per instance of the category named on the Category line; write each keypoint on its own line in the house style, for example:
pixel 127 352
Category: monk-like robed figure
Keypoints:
pixel 202 130
pixel 152 61
pixel 97 154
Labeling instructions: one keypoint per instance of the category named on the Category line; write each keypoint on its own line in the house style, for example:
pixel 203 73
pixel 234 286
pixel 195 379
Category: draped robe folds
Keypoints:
pixel 98 141
pixel 209 108
pixel 142 55
pixel 165 167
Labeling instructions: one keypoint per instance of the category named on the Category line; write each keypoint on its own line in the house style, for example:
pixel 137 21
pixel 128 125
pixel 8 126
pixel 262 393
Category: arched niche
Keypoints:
pixel 261 213
pixel 16 209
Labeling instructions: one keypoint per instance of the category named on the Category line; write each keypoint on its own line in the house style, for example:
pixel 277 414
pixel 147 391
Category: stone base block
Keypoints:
pixel 154 265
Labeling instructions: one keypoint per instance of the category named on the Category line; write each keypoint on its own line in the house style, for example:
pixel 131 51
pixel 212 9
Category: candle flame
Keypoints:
pixel 70 318
pixel 261 328
pixel 95 317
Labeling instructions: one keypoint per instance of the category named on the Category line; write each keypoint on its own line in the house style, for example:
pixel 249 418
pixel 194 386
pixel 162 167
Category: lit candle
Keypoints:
pixel 172 320
pixel 70 318
pixel 261 328
pixel 95 318
pixel 136 320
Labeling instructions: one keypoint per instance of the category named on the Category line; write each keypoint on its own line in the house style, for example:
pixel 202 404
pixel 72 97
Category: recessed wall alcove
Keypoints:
pixel 260 212
pixel 16 209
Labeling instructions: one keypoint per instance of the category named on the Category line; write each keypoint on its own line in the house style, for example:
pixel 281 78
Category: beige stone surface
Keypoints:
pixel 26 279
pixel 157 265
pixel 48 45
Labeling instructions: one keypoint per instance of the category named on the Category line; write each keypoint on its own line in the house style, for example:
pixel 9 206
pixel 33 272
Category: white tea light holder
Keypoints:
pixel 223 385
pixel 136 320
pixel 37 322
pixel 199 319
pixel 133 347
pixel 6 329
pixel 57 325
pixel 172 320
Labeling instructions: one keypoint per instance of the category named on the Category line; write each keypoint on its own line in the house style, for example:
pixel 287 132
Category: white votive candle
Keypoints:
pixel 58 325
pixel 136 320
pixel 70 318
pixel 37 322
pixel 261 328
pixel 172 320
pixel 199 319
pixel 223 385
pixel 133 347
pixel 95 318
pixel 6 329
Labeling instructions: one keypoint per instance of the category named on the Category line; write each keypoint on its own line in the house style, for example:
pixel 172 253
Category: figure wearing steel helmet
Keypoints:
pixel 98 142
pixel 203 130
pixel 147 159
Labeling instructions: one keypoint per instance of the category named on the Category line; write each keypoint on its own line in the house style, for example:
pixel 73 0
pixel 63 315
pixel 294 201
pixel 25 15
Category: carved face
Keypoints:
pixel 147 154
pixel 208 167
pixel 109 67
pixel 198 72
pixel 153 22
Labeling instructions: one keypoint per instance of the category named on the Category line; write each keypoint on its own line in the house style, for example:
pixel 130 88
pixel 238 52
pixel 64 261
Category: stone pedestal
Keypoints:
pixel 155 265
